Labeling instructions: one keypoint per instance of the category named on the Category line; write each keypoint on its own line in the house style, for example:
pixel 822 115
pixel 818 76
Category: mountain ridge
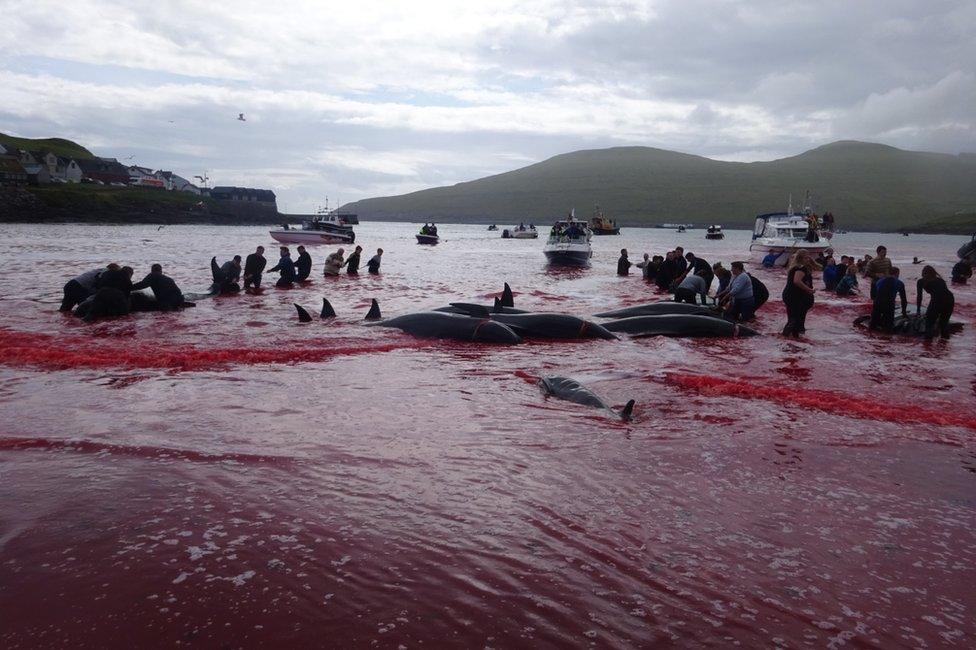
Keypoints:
pixel 866 185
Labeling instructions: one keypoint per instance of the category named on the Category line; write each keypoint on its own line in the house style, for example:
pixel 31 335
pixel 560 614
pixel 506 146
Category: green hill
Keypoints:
pixel 58 146
pixel 866 186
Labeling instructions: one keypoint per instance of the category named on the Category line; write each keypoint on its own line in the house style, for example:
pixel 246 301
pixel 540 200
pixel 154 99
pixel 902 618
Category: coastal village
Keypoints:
pixel 33 168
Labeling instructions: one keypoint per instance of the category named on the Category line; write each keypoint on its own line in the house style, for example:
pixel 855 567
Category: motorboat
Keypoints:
pixel 492 227
pixel 520 231
pixel 323 228
pixel 682 229
pixel 427 239
pixel 968 250
pixel 569 243
pixel 601 225
pixel 714 232
pixel 786 233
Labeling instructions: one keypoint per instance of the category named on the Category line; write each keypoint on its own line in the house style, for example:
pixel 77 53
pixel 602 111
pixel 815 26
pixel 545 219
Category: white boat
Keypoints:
pixel 714 232
pixel 569 243
pixel 520 232
pixel 325 228
pixel 786 233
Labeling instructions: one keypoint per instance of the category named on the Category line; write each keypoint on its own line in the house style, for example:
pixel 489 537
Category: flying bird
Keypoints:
pixel 240 117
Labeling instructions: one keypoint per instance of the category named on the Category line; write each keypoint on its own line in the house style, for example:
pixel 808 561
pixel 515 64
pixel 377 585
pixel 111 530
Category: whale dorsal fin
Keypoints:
pixel 508 300
pixel 628 411
pixel 214 269
pixel 327 310
pixel 497 307
pixel 303 316
pixel 374 311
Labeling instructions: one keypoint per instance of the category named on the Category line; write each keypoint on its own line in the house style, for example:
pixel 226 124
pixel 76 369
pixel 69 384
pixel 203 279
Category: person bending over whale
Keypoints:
pixel 286 269
pixel 334 262
pixel 961 272
pixel 941 303
pixel 78 289
pixel 167 293
pixel 111 297
pixel 303 264
pixel 688 288
pixel 741 303
pixel 229 275
pixel 253 268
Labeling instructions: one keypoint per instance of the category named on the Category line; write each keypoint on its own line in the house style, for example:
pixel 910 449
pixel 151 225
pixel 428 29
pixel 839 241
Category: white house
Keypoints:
pixel 72 172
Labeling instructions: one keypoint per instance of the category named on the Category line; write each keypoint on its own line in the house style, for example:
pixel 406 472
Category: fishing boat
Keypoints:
pixel 569 243
pixel 427 239
pixel 601 225
pixel 492 227
pixel 714 232
pixel 324 228
pixel 682 229
pixel 787 232
pixel 520 231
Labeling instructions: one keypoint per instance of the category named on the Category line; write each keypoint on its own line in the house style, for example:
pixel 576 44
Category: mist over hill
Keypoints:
pixel 865 185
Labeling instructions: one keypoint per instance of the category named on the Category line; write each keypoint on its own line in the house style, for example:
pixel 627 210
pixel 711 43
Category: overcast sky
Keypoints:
pixel 366 98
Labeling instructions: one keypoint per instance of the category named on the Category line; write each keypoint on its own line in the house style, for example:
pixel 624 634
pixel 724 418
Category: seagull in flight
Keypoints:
pixel 240 117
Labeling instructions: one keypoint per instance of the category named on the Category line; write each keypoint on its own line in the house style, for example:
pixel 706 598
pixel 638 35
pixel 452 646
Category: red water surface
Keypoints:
pixel 227 477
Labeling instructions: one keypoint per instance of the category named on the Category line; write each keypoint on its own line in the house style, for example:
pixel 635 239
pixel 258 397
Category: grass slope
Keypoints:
pixel 85 197
pixel 865 185
pixel 59 146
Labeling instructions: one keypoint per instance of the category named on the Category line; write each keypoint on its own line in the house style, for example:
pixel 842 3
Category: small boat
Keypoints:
pixel 786 232
pixel 325 228
pixel 520 231
pixel 492 227
pixel 682 229
pixel 714 232
pixel 569 243
pixel 601 225
pixel 427 239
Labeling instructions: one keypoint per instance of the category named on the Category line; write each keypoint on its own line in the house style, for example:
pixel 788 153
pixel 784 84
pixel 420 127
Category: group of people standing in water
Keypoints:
pixel 298 270
pixel 739 294
pixel 690 277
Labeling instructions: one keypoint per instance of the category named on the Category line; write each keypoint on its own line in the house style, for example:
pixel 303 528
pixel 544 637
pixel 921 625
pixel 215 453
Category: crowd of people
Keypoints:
pixel 738 294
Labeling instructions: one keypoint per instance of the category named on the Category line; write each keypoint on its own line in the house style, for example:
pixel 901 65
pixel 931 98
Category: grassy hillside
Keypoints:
pixel 106 198
pixel 864 185
pixel 59 146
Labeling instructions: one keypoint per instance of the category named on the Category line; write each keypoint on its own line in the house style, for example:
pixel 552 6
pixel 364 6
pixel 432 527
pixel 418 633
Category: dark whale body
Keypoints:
pixel 573 391
pixel 658 309
pixel 433 324
pixel 679 325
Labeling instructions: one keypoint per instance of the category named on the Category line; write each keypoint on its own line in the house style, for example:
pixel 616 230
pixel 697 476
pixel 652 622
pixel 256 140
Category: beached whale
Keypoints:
pixel 434 324
pixel 573 391
pixel 659 308
pixel 546 325
pixel 911 325
pixel 679 325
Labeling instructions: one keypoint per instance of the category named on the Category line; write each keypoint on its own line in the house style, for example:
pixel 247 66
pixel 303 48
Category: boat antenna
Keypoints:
pixel 789 210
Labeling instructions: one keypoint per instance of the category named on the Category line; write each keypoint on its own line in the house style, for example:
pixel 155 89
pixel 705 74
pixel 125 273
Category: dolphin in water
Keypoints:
pixel 679 325
pixel 573 391
pixel 556 326
pixel 434 324
pixel 658 309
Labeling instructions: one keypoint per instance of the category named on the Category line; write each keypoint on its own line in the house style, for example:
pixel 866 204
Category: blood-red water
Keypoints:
pixel 227 477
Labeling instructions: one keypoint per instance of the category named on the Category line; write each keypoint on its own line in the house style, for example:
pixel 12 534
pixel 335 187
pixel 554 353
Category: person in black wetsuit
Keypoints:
pixel 303 264
pixel 623 264
pixel 373 265
pixel 253 268
pixel 883 309
pixel 798 294
pixel 941 303
pixel 680 263
pixel 111 297
pixel 78 289
pixel 167 294
pixel 229 275
pixel 701 268
pixel 352 262
pixel 286 268
pixel 667 273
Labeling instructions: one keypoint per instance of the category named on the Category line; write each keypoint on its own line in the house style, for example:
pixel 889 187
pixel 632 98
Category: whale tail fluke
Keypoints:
pixel 628 412
pixel 374 311
pixel 508 300
pixel 327 310
pixel 303 316
pixel 214 269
